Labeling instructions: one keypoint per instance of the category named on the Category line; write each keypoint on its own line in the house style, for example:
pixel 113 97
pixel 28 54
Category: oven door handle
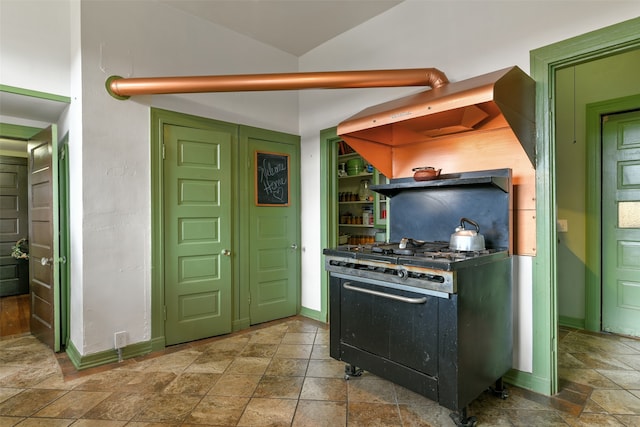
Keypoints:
pixel 422 300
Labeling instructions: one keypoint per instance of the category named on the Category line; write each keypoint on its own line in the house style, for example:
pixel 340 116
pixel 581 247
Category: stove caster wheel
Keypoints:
pixel 500 390
pixel 352 371
pixel 461 420
pixel 502 394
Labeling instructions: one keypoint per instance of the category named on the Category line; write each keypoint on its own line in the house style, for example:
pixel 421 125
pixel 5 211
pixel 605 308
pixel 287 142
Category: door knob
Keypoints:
pixel 294 246
pixel 226 252
pixel 49 261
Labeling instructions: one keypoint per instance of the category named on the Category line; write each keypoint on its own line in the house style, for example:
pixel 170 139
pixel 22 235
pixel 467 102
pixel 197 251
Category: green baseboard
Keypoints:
pixel 528 381
pixel 313 314
pixel 240 324
pixel 571 322
pixel 158 343
pixel 104 357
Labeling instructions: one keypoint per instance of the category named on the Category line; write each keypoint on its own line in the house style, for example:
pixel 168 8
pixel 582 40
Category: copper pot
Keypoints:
pixel 425 173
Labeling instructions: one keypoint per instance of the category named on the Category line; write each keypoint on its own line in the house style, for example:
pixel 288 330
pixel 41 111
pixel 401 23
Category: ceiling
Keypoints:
pixel 293 26
pixel 38 108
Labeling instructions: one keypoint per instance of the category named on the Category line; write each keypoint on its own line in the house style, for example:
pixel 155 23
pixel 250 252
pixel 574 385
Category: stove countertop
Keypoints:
pixel 443 260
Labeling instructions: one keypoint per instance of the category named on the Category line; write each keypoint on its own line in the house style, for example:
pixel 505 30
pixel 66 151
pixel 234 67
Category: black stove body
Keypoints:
pixel 436 321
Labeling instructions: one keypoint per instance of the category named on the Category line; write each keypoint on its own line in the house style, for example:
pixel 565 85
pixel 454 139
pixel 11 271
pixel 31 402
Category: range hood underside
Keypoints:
pixel 502 100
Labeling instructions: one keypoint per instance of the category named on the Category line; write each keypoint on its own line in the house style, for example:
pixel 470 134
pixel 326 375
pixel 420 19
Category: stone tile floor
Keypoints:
pixel 280 374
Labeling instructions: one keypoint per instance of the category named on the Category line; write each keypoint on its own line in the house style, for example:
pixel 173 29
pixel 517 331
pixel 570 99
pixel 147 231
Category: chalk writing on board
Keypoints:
pixel 272 179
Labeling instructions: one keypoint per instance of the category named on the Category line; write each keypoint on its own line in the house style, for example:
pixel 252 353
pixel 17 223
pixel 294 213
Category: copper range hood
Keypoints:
pixel 387 134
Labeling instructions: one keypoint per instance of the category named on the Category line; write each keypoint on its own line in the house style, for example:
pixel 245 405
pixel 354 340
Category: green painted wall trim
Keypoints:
pixel 65 240
pixel 52 132
pixel 571 322
pixel 73 354
pixel 158 343
pixel 593 292
pixel 17 132
pixel 320 316
pixel 526 380
pixel 104 357
pixel 34 94
pixel 240 324
pixel 544 62
pixel 329 209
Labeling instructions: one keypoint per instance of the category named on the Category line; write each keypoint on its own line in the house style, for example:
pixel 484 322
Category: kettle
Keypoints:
pixel 467 240
pixel 425 173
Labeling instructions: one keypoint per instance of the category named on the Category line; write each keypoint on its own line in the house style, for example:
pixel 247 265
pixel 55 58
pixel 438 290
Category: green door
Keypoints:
pixel 197 233
pixel 274 224
pixel 621 223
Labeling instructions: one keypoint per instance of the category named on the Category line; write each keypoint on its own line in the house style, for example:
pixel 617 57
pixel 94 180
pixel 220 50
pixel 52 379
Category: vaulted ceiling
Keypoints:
pixel 293 26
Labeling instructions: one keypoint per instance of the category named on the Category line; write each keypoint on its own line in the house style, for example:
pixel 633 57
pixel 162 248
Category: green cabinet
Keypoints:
pixel 381 207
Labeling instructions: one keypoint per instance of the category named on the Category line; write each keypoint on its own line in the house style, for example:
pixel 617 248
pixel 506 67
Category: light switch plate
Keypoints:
pixel 563 226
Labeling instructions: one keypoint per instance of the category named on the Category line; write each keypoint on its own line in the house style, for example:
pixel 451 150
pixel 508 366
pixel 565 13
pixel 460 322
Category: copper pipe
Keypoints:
pixel 122 87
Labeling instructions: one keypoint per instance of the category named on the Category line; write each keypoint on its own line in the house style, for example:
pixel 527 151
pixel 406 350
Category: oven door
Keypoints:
pixel 391 326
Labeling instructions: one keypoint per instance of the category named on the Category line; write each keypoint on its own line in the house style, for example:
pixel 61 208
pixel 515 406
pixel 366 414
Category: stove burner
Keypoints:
pixel 431 250
pixel 454 255
pixel 406 250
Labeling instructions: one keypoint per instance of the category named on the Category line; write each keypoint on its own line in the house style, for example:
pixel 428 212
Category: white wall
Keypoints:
pixel 462 39
pixel 40 28
pixel 144 39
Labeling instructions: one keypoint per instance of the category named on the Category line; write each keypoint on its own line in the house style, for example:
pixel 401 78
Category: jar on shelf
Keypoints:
pixel 364 194
pixel 367 215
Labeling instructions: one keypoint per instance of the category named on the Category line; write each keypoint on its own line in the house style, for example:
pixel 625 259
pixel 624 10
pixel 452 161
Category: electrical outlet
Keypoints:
pixel 120 339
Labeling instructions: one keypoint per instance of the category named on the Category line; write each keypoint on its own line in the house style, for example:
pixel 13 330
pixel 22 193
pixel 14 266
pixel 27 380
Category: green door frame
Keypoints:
pixel 64 240
pixel 545 62
pixel 329 209
pixel 159 118
pixel 251 138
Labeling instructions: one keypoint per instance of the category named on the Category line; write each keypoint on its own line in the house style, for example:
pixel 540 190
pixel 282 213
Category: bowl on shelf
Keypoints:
pixel 355 166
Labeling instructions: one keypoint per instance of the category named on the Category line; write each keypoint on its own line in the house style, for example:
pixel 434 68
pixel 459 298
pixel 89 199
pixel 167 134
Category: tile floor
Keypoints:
pixel 280 374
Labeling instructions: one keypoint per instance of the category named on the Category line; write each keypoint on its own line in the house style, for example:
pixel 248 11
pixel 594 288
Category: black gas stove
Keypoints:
pixel 429 266
pixel 413 311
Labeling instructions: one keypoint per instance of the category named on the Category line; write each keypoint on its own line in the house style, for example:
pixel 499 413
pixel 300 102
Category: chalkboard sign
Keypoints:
pixel 272 179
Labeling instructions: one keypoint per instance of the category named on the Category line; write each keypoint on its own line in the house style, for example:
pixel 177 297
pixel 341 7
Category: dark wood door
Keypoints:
pixel 14 273
pixel 43 250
